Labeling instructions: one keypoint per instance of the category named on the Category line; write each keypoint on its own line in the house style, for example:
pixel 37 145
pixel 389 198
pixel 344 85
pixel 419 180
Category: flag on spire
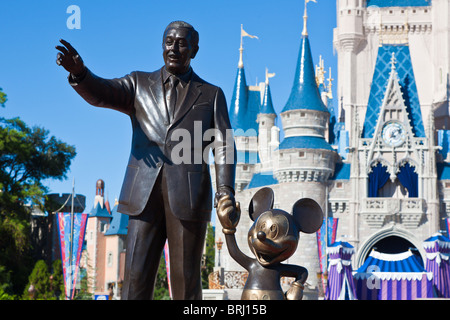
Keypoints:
pixel 269 75
pixel 245 34
pixel 305 18
pixel 241 49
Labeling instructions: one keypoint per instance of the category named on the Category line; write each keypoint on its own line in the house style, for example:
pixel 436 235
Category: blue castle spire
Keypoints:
pixel 245 103
pixel 267 105
pixel 238 105
pixel 305 93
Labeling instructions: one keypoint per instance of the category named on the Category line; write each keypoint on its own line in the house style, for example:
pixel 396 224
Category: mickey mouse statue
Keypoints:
pixel 272 238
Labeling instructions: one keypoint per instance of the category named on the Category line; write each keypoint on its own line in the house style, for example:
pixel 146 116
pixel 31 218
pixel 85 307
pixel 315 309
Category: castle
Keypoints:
pixel 378 165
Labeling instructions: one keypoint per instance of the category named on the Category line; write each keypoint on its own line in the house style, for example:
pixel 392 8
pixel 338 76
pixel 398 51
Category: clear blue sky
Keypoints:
pixel 117 37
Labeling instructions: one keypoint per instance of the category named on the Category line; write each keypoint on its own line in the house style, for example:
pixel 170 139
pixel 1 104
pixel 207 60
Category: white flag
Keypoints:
pixel 245 34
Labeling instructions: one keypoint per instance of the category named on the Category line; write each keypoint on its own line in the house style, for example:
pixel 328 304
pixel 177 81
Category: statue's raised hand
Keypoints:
pixel 69 58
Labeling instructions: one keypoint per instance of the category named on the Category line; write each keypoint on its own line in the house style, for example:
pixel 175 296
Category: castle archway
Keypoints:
pixel 390 240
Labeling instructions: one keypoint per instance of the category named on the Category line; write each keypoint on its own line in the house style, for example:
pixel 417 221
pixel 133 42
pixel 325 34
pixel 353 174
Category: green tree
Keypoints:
pixel 39 284
pixel 161 291
pixel 83 293
pixel 5 285
pixel 57 280
pixel 28 157
pixel 2 98
pixel 209 256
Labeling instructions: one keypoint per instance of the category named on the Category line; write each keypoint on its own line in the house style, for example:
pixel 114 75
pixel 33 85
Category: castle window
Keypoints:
pixel 110 259
pixel 447 185
pixel 245 168
pixel 301 154
pixel 103 226
pixel 339 185
pixel 407 180
pixel 377 179
pixel 302 114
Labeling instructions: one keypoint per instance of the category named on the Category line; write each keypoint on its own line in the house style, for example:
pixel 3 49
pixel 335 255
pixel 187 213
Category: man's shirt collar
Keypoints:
pixel 184 78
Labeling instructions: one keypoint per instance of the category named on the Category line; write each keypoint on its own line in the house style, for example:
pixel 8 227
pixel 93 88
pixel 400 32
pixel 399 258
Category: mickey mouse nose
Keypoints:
pixel 261 235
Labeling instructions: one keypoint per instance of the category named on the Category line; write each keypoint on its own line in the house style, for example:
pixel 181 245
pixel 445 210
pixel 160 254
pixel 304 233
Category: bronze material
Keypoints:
pixel 252 294
pixel 272 238
pixel 164 198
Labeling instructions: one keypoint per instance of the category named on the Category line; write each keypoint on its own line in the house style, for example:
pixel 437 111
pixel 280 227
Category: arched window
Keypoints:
pixel 409 179
pixel 380 185
pixel 377 179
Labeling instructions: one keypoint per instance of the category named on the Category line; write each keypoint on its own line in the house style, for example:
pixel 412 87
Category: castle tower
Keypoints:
pixel 305 159
pixel 304 155
pixel 268 138
pixel 244 107
pixel 348 40
pixel 393 59
pixel 115 252
pixel 98 223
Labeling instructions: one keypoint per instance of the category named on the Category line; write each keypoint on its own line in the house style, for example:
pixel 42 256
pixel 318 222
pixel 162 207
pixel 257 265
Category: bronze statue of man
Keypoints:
pixel 165 198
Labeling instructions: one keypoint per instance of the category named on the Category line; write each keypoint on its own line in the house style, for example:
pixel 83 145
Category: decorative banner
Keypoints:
pixel 166 257
pixel 322 244
pixel 447 224
pixel 71 243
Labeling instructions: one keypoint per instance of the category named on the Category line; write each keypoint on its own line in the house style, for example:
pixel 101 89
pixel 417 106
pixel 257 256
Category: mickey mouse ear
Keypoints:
pixel 308 215
pixel 261 202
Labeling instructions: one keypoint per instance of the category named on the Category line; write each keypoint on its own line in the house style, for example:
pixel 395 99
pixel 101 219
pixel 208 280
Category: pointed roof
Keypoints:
pixel 245 103
pixel 267 105
pixel 99 210
pixel 407 82
pixel 119 223
pixel 305 94
pixel 238 105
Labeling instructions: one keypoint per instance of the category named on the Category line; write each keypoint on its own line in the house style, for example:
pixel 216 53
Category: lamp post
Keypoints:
pixel 219 244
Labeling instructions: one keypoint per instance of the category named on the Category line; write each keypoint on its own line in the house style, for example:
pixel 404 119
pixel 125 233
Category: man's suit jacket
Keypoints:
pixel 158 142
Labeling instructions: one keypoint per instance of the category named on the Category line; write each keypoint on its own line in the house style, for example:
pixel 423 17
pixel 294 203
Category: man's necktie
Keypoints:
pixel 172 96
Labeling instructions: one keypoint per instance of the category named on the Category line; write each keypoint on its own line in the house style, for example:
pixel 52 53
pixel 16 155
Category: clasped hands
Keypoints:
pixel 228 211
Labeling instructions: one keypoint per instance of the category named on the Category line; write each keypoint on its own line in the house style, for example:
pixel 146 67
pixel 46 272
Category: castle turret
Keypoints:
pixel 267 138
pixel 304 154
pixel 97 224
pixel 305 159
pixel 244 107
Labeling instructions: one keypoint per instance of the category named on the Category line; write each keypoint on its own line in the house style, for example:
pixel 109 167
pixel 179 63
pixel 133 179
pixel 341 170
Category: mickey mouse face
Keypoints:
pixel 273 237
pixel 274 234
